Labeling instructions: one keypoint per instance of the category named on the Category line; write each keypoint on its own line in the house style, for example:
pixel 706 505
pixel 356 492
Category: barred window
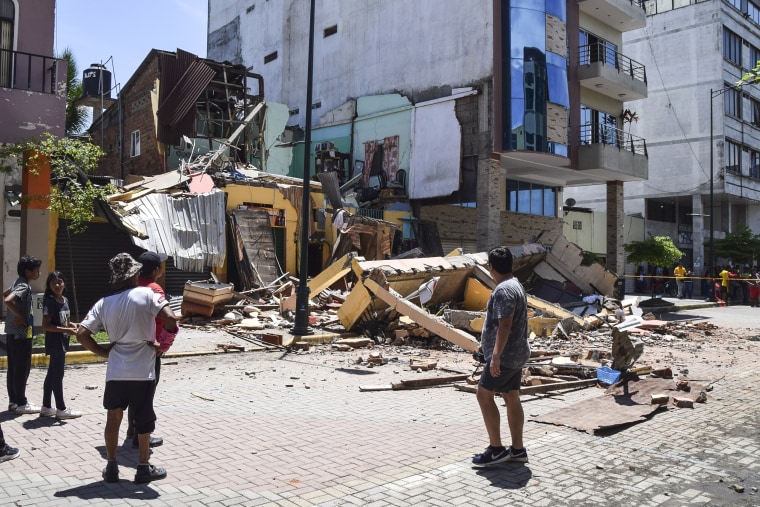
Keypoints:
pixel 732 102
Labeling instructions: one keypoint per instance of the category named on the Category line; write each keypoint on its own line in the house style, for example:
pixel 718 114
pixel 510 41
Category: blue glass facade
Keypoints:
pixel 534 76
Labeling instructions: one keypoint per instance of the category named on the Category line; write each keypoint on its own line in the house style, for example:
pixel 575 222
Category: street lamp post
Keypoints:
pixel 301 325
pixel 713 94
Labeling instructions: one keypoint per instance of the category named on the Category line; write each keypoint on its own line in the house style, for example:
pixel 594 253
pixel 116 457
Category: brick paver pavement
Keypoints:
pixel 265 428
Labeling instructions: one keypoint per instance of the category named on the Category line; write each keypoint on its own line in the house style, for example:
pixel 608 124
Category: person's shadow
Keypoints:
pixel 108 491
pixel 506 475
pixel 125 488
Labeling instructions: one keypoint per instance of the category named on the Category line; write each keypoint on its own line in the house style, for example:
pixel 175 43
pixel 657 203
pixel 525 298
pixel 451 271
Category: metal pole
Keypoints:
pixel 301 326
pixel 711 288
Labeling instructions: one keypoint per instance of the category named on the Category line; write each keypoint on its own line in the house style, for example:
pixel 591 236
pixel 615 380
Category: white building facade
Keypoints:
pixel 695 52
pixel 489 109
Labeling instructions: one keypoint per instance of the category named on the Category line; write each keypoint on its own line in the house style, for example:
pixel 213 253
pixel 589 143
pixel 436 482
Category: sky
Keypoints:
pixel 120 34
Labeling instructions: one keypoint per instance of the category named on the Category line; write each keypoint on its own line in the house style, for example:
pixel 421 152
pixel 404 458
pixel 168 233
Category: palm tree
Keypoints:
pixel 76 117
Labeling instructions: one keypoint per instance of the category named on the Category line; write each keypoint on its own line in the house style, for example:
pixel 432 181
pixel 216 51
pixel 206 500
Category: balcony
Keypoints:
pixel 28 72
pixel 622 15
pixel 610 73
pixel 33 94
pixel 610 154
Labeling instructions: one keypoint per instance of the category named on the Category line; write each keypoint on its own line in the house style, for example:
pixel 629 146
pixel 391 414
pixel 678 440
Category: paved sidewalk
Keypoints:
pixel 269 428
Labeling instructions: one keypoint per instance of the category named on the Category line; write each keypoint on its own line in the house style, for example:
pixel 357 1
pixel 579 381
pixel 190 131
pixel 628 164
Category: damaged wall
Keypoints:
pixel 458 225
pixel 274 198
pixel 376 62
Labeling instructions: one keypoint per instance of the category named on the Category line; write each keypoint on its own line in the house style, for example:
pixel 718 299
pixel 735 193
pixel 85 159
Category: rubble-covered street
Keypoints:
pixel 300 427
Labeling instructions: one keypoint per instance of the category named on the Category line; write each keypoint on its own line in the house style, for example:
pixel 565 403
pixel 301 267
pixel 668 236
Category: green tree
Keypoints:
pixel 76 117
pixel 72 195
pixel 740 246
pixel 655 251
pixel 751 77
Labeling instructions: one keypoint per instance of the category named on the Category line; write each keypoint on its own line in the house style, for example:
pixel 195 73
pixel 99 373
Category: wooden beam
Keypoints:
pixel 322 281
pixel 421 317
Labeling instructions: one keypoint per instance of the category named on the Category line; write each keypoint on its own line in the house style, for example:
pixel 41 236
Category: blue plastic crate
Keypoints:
pixel 607 375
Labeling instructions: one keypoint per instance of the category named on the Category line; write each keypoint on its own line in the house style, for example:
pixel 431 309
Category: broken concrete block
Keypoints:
pixel 683 402
pixel 660 399
pixel 626 349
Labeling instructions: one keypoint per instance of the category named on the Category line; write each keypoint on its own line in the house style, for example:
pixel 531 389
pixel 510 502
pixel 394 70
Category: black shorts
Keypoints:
pixel 138 394
pixel 509 380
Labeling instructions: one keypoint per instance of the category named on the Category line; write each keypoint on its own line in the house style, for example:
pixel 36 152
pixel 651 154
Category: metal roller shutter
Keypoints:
pixel 83 260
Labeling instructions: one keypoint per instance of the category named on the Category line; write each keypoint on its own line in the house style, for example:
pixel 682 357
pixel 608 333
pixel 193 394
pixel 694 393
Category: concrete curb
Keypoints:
pixel 87 357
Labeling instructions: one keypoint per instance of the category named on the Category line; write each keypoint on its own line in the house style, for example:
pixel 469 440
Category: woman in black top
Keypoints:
pixel 57 325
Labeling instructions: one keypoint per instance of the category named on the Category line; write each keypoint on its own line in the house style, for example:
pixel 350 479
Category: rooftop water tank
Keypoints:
pixel 96 81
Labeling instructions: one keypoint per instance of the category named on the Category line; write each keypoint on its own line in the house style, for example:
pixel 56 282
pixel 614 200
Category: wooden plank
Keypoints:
pixel 323 280
pixel 375 388
pixel 428 382
pixel 356 303
pixel 554 310
pixel 545 388
pixel 422 318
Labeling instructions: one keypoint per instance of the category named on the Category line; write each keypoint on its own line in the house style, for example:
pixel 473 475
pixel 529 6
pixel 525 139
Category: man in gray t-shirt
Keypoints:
pixel 504 343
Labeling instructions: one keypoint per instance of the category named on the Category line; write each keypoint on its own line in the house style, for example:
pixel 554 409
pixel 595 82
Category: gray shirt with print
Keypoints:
pixel 23 303
pixel 508 299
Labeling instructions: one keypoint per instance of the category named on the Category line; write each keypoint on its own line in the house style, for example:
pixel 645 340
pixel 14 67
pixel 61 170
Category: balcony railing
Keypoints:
pixel 27 71
pixel 600 52
pixel 612 136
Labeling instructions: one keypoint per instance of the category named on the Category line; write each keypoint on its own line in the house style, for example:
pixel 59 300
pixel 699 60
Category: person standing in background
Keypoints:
pixel 680 272
pixel 128 316
pixel 56 322
pixel 149 274
pixel 504 343
pixel 19 332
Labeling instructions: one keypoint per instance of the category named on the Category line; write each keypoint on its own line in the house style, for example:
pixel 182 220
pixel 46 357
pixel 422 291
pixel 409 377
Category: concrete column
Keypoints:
pixel 492 197
pixel 698 234
pixel 615 236
pixel 35 215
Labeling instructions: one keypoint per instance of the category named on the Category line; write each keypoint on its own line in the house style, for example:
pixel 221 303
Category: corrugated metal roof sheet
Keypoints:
pixel 189 229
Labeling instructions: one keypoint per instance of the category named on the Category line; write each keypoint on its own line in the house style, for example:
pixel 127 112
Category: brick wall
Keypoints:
pixel 460 225
pixel 136 114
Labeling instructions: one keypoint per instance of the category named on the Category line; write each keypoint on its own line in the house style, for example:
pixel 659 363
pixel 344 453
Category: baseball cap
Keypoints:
pixel 151 260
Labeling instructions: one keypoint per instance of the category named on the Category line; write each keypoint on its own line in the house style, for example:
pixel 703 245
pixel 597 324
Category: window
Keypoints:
pixel 753 12
pixel 596 49
pixel 732 102
pixel 754 112
pixel 736 3
pixel 7 20
pixel 598 127
pixel 732 47
pixel 754 56
pixel 134 147
pixel 531 198
pixel 733 157
pixel 754 164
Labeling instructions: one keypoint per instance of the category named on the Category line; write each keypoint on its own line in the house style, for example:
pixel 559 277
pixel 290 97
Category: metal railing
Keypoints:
pixel 612 136
pixel 600 52
pixel 27 71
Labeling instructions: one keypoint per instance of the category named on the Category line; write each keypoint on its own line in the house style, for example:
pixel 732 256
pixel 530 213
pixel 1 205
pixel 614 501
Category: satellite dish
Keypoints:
pixel 569 202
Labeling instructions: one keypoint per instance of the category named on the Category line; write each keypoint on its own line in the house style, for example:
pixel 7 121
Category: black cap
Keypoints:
pixel 151 260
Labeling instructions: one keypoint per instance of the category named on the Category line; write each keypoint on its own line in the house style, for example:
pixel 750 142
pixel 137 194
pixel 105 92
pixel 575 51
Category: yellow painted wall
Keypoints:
pixel 238 195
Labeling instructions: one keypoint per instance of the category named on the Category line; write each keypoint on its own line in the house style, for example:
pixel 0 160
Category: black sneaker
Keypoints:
pixel 491 456
pixel 147 473
pixel 8 453
pixel 153 441
pixel 520 456
pixel 111 472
